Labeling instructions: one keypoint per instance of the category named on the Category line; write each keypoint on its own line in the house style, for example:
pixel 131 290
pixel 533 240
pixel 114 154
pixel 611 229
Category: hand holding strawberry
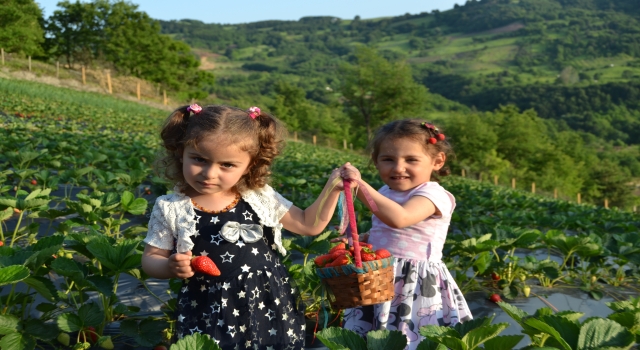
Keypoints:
pixel 180 265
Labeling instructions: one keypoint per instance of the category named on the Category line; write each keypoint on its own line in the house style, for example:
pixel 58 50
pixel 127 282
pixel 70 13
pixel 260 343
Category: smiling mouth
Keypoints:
pixel 399 177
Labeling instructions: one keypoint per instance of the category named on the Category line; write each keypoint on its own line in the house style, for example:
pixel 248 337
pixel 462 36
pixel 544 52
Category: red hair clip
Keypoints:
pixel 438 137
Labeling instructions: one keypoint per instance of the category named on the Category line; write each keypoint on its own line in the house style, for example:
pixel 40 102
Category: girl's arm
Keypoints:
pixel 160 263
pixel 395 215
pixel 303 222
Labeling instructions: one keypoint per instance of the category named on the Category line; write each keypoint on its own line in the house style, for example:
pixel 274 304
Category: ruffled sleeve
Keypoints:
pixel 159 234
pixel 173 219
pixel 270 206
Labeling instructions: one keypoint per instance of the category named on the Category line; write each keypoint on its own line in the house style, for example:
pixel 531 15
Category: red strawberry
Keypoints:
pixel 369 256
pixel 339 253
pixel 382 253
pixel 495 276
pixel 342 260
pixel 495 298
pixel 338 247
pixel 432 140
pixel 160 347
pixel 1 243
pixel 367 245
pixel 322 260
pixel 34 182
pixel 204 264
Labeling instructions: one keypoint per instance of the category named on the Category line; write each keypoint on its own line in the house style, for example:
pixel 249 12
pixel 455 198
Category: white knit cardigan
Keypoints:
pixel 173 218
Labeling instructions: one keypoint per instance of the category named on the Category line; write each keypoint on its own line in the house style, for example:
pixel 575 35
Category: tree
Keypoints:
pixel 74 32
pixel 375 90
pixel 20 28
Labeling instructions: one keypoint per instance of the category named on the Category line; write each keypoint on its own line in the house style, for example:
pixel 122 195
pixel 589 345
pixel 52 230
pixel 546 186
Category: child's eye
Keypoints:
pixel 228 165
pixel 199 159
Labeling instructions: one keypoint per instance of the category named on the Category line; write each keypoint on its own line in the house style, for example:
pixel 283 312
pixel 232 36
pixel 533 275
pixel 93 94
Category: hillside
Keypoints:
pixel 568 59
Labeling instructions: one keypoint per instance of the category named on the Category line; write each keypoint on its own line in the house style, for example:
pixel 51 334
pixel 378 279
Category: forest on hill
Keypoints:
pixel 539 90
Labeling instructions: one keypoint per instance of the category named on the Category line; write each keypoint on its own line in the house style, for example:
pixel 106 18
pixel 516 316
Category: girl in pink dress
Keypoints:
pixel 411 222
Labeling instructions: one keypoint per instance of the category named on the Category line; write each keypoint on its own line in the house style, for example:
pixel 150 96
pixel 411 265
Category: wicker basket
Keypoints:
pixel 350 286
pixel 362 283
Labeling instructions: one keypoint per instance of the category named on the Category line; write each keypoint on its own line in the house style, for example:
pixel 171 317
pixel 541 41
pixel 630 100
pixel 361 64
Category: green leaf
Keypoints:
pixel 41 330
pixel 545 328
pixel 5 214
pixel 103 284
pixel 13 274
pixel 513 311
pixel 148 332
pixel 427 344
pixel 137 207
pixel 69 322
pixel 388 340
pixel 433 331
pixel 479 335
pixel 69 268
pixel 503 342
pixel 464 327
pixel 341 339
pixel 17 341
pixel 42 285
pixel 196 341
pixel 91 315
pixel 604 334
pixel 567 329
pixel 9 324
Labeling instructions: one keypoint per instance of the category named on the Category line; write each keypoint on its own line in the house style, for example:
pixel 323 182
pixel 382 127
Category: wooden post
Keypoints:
pixel 164 97
pixel 295 136
pixel 513 183
pixel 480 177
pixel 2 51
pixel 606 203
pixel 84 76
pixel 579 199
pixel 634 208
pixel 57 69
pixel 344 143
pixel 109 81
pixel 351 146
pixel 533 187
pixel 555 193
pixel 29 63
pixel 314 140
pixel 138 90
pixel 495 180
pixel 463 173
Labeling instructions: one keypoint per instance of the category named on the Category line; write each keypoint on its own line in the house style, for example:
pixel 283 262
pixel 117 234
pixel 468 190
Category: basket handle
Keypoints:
pixel 353 233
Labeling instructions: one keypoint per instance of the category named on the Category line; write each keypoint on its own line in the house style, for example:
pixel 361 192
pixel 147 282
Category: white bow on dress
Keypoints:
pixel 233 230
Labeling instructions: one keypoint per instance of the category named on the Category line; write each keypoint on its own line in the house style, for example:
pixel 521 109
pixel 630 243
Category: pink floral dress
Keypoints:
pixel 425 291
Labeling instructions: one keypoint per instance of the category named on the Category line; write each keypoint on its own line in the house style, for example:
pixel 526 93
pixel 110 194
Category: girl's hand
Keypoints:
pixel 180 265
pixel 346 172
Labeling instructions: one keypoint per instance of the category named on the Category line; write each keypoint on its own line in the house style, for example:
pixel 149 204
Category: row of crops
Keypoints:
pixel 76 183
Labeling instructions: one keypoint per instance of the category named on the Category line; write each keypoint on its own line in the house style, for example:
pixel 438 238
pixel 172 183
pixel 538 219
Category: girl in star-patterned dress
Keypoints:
pixel 222 207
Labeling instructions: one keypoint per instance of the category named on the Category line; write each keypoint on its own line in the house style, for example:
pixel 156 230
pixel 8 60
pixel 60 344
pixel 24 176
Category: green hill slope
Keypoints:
pixel 564 58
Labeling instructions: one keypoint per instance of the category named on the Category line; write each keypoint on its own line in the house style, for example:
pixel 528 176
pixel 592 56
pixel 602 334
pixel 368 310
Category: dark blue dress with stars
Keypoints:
pixel 252 304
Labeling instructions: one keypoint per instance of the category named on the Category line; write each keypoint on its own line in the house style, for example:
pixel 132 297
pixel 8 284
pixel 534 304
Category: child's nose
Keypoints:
pixel 210 172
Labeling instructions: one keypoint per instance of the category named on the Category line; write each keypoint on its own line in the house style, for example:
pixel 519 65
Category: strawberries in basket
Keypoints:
pixel 343 255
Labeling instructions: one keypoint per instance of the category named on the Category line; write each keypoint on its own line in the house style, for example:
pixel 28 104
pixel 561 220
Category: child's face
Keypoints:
pixel 213 167
pixel 403 164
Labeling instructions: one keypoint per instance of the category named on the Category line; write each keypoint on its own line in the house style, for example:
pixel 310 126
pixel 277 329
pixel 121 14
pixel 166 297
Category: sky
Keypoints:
pixel 244 11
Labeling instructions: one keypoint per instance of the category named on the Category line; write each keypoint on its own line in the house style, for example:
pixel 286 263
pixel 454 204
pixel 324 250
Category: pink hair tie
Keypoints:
pixel 195 108
pixel 254 112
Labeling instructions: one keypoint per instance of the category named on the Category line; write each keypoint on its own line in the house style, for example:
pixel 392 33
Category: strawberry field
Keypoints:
pixel 77 183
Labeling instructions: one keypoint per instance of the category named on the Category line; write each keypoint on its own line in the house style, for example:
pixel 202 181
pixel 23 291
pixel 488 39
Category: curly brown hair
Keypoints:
pixel 260 137
pixel 413 129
